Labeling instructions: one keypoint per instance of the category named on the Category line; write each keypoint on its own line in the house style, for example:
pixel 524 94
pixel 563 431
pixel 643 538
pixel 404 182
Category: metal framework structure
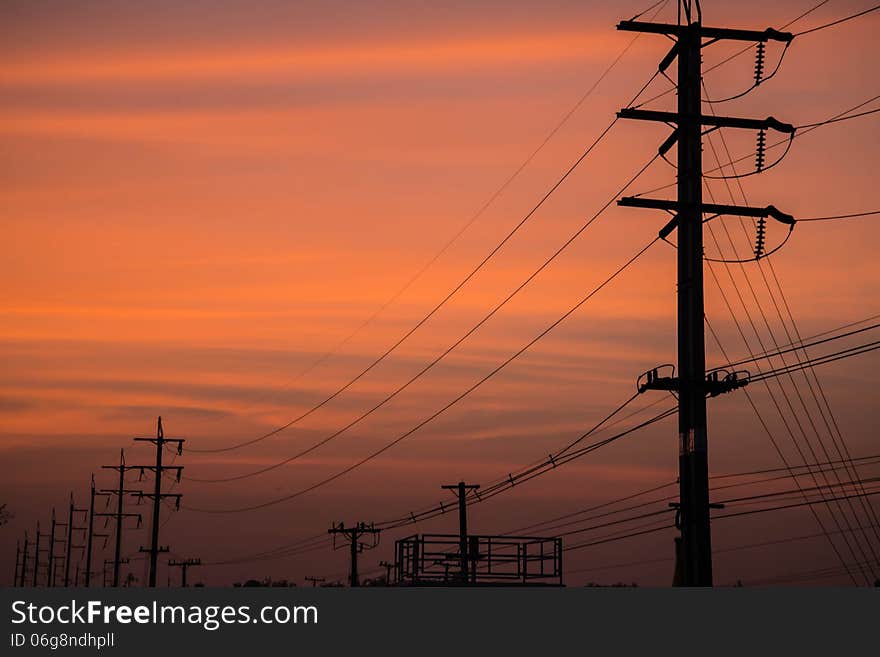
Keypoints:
pixel 435 560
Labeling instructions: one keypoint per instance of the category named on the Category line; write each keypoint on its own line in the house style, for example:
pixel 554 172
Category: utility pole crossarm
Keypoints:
pixel 770 123
pixel 711 208
pixel 714 33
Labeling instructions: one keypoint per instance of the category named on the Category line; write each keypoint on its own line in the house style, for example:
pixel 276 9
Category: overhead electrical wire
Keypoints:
pixel 736 514
pixel 841 216
pixel 837 22
pixel 568 520
pixel 733 548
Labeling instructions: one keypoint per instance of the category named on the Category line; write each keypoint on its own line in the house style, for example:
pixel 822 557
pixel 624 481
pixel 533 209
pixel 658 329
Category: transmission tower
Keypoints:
pixel 353 535
pixel 315 580
pixel 693 385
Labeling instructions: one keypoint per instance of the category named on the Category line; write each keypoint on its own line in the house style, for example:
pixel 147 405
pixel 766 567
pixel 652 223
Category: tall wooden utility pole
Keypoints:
pixel 120 492
pixel 462 488
pixel 24 555
pixel 36 556
pixel 157 495
pixel 353 535
pixel 70 546
pixel 93 493
pixel 692 384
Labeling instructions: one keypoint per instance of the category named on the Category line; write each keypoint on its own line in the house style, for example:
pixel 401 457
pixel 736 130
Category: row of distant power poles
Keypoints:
pixel 41 554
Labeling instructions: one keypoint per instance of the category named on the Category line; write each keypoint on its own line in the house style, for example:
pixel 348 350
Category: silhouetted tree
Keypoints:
pixel 5 515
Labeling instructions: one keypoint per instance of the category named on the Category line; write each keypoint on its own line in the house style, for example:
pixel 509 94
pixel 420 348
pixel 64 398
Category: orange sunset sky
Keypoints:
pixel 200 200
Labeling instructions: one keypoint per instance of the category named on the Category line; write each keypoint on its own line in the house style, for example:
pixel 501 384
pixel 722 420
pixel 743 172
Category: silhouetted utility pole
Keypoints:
pixel 387 565
pixel 17 558
pixel 462 488
pixel 36 556
pixel 91 536
pixel 157 495
pixel 24 555
pixel 353 535
pixel 314 580
pixel 70 546
pixel 692 384
pixel 53 541
pixel 184 565
pixel 111 562
pixel 119 515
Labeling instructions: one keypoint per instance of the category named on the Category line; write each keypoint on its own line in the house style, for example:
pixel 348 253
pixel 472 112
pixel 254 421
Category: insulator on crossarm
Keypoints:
pixel 760 150
pixel 759 237
pixel 759 63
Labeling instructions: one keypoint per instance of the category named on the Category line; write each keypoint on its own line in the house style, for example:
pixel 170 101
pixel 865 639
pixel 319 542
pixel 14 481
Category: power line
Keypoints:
pixel 841 216
pixel 734 548
pixel 838 22
pixel 773 354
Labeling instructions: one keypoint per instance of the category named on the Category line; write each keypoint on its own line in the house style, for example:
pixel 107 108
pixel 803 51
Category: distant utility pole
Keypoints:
pixel 36 556
pixel 91 536
pixel 24 554
pixel 157 495
pixel 115 563
pixel 692 384
pixel 70 546
pixel 47 549
pixel 50 563
pixel 387 565
pixel 17 557
pixel 314 580
pixel 353 535
pixel 184 565
pixel 462 489
pixel 54 540
pixel 120 492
